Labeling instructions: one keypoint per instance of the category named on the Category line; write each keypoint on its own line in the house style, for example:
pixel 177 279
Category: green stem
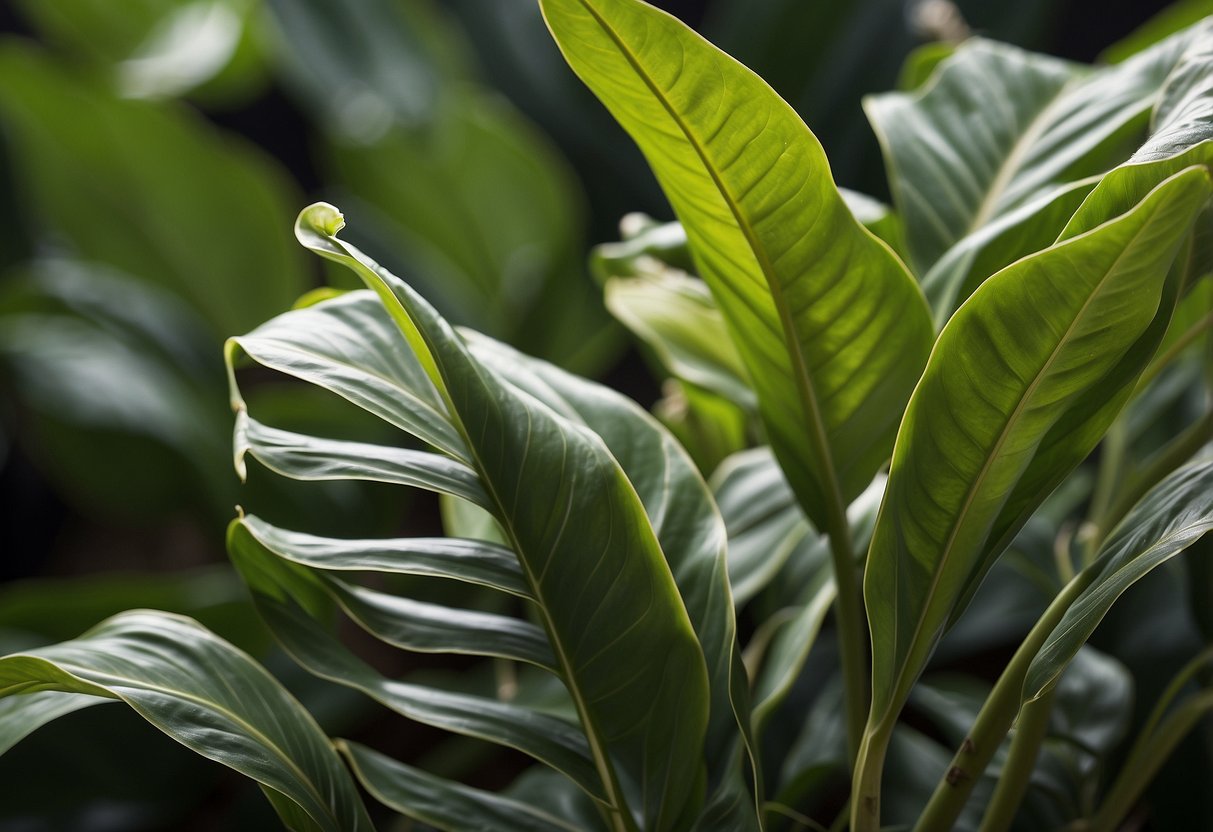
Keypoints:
pixel 1185 675
pixel 1146 758
pixel 848 613
pixel 995 718
pixel 869 767
pixel 1111 465
pixel 1030 731
pixel 1175 454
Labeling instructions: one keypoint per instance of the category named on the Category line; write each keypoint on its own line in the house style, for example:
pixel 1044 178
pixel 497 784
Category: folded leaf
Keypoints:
pixel 205 694
pixel 831 328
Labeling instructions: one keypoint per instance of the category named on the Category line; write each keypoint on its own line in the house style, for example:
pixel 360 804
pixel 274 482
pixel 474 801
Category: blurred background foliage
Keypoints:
pixel 153 154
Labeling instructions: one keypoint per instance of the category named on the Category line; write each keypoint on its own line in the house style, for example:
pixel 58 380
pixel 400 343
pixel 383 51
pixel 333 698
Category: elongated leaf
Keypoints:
pixel 361 358
pixel 1034 352
pixel 1030 227
pixel 673 494
pixel 473 561
pixel 435 628
pixel 305 457
pixel 997 126
pixel 626 648
pixel 279 595
pixel 1173 516
pixel 203 693
pixel 831 328
pixel 443 803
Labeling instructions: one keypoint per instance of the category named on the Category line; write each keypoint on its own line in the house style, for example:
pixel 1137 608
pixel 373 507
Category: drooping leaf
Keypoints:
pixel 442 803
pixel 205 694
pixel 1173 516
pixel 997 126
pixel 830 326
pixel 1022 383
pixel 20 716
pixel 599 623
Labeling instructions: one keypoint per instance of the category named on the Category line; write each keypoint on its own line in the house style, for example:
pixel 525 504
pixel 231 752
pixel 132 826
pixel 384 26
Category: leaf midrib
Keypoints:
pixel 1013 163
pixel 1012 419
pixel 804 382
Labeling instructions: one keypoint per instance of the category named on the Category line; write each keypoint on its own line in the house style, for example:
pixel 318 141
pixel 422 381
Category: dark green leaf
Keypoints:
pixel 205 694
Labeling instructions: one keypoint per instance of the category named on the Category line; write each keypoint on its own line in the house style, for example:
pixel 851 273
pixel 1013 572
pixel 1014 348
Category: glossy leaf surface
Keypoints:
pixel 992 426
pixel 637 626
pixel 830 326
pixel 205 694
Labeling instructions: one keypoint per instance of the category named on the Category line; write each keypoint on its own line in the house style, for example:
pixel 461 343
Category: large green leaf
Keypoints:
pixel 205 694
pixel 688 526
pixel 996 127
pixel 1022 383
pixel 96 166
pixel 623 642
pixel 674 496
pixel 830 326
pixel 1173 516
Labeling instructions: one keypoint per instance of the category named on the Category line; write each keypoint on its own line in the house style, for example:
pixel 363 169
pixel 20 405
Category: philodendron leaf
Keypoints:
pixel 829 324
pixel 442 803
pixel 1043 122
pixel 623 642
pixel 1022 383
pixel 1173 516
pixel 205 694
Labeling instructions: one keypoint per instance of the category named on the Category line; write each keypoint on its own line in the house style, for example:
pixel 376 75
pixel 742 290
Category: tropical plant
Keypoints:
pixel 967 424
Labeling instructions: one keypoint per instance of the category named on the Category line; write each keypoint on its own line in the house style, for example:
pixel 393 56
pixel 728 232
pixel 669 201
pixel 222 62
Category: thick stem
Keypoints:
pixel 869 767
pixel 1030 731
pixel 852 634
pixel 995 718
